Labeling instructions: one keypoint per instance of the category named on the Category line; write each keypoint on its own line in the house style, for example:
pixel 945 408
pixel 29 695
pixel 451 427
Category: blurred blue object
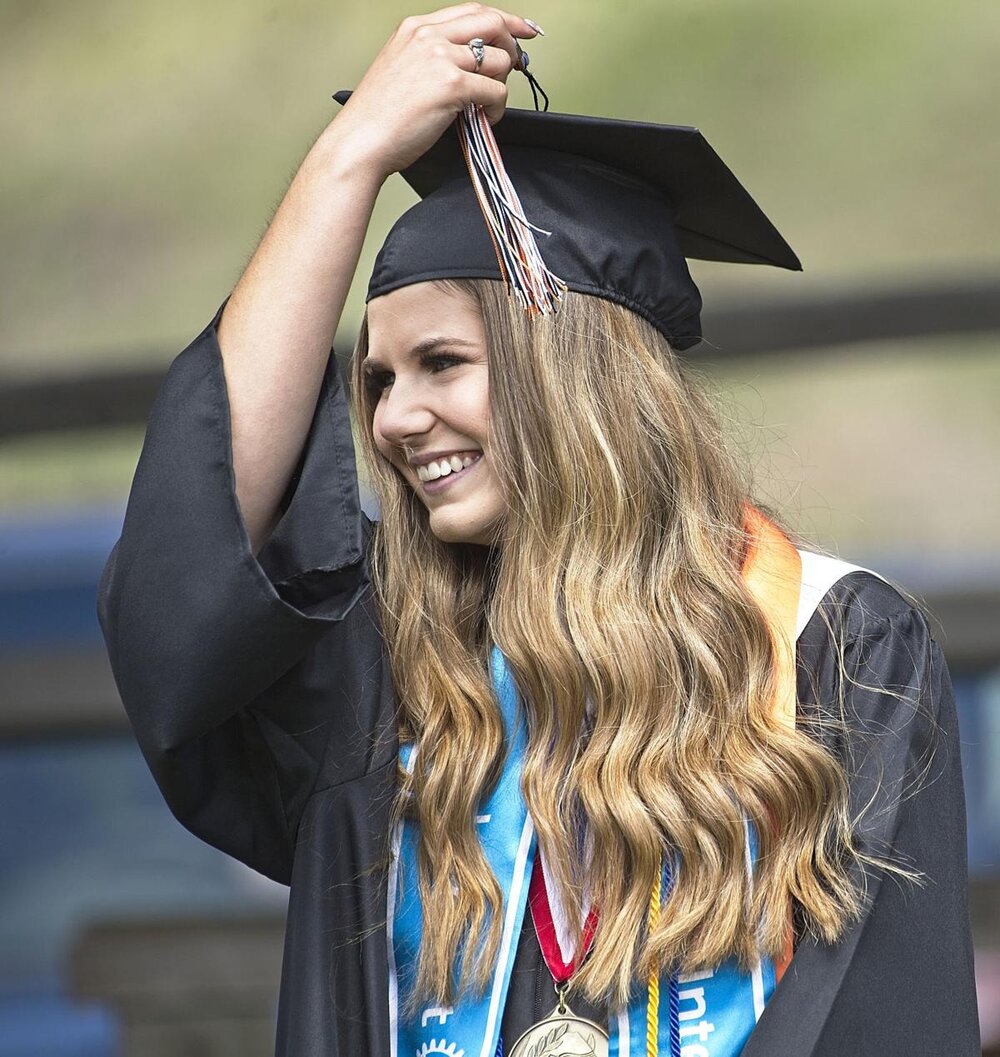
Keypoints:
pixel 49 1026
pixel 92 840
pixel 49 566
pixel 977 696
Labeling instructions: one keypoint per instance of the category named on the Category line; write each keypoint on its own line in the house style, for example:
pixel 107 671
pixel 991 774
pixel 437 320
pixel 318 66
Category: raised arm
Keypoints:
pixel 248 668
pixel 277 328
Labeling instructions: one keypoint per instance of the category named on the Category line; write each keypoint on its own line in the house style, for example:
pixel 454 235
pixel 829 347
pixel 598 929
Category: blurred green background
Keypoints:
pixel 145 147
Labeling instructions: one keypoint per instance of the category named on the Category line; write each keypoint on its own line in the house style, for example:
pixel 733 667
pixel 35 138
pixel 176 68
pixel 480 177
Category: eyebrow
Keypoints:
pixel 373 363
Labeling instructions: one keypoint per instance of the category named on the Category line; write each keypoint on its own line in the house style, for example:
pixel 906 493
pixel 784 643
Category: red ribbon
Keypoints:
pixel 545 927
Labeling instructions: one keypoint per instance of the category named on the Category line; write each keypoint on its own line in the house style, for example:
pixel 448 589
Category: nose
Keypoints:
pixel 402 414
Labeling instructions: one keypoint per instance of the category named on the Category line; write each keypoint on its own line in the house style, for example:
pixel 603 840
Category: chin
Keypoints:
pixel 457 532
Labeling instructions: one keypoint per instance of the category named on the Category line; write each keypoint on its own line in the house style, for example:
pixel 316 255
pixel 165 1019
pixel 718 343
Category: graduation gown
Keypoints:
pixel 260 692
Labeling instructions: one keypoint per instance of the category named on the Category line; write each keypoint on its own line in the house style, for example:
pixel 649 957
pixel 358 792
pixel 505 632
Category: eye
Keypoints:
pixel 376 381
pixel 440 361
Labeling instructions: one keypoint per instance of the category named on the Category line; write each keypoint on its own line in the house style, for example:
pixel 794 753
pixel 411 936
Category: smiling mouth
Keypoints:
pixel 453 464
pixel 441 479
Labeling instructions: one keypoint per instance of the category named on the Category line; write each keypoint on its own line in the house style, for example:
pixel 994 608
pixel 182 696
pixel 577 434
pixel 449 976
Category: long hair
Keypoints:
pixel 646 668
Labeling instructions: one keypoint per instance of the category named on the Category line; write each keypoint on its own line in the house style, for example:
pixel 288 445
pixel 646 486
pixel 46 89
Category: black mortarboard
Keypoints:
pixel 625 201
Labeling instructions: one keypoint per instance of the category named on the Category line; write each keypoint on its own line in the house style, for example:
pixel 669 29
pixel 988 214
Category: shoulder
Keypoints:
pixel 867 630
pixel 853 603
pixel 868 641
pixel 867 658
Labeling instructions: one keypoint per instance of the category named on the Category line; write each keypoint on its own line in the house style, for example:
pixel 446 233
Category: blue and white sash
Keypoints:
pixel 508 837
pixel 717 1008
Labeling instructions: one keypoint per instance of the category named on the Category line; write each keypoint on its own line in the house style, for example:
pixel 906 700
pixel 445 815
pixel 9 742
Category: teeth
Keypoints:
pixel 433 470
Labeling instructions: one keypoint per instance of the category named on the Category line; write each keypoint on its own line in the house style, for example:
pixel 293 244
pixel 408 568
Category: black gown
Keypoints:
pixel 260 693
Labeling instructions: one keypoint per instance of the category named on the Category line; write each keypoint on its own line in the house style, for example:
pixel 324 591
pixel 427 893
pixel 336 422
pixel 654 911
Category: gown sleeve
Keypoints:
pixel 901 981
pixel 212 648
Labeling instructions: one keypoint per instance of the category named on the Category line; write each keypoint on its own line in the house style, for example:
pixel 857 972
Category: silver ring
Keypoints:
pixel 477 44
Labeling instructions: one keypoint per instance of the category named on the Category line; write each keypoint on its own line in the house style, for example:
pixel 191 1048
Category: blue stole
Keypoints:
pixel 717 1009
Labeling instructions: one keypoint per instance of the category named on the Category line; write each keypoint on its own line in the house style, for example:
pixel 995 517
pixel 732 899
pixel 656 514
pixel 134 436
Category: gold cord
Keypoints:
pixel 653 1004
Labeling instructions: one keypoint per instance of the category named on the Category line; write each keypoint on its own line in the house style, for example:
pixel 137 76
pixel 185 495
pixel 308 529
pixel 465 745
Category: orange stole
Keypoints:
pixel 772 572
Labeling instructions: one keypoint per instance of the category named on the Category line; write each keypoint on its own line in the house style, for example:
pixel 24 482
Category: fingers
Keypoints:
pixel 462 22
pixel 443 14
pixel 515 23
pixel 496 62
pixel 445 34
pixel 488 93
pixel 489 24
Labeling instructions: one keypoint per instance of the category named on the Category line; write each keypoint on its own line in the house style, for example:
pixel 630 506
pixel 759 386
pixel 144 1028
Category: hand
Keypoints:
pixel 424 76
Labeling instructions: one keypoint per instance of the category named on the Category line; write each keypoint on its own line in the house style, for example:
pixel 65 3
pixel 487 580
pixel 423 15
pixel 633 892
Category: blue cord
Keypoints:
pixel 674 1001
pixel 675 1018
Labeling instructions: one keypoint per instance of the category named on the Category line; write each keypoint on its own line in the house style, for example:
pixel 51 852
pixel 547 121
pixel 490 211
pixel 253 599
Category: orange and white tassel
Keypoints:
pixel 537 289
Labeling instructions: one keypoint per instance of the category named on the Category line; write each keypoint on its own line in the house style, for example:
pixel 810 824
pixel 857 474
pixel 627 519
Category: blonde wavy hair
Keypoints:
pixel 615 580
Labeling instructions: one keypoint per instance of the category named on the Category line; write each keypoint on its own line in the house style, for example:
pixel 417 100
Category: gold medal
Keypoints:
pixel 562 1034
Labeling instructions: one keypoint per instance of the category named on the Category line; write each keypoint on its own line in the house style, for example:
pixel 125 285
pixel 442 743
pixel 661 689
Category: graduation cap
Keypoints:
pixel 623 204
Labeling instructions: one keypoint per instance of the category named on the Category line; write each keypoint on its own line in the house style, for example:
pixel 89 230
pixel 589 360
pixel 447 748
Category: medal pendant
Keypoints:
pixel 562 1034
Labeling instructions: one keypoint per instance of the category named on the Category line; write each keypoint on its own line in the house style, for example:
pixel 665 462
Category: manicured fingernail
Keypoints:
pixel 535 26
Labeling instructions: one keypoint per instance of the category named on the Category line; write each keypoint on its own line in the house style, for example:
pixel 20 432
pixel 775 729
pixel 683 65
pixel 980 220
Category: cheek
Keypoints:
pixel 473 406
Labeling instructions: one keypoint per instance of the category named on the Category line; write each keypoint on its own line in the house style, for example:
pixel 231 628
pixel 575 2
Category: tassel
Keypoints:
pixel 512 235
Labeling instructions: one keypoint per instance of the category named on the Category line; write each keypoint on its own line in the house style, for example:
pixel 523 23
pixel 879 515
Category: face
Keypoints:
pixel 427 369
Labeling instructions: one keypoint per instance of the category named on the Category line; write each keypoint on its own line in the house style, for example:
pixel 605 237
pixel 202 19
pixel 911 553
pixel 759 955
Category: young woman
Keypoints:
pixel 573 711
